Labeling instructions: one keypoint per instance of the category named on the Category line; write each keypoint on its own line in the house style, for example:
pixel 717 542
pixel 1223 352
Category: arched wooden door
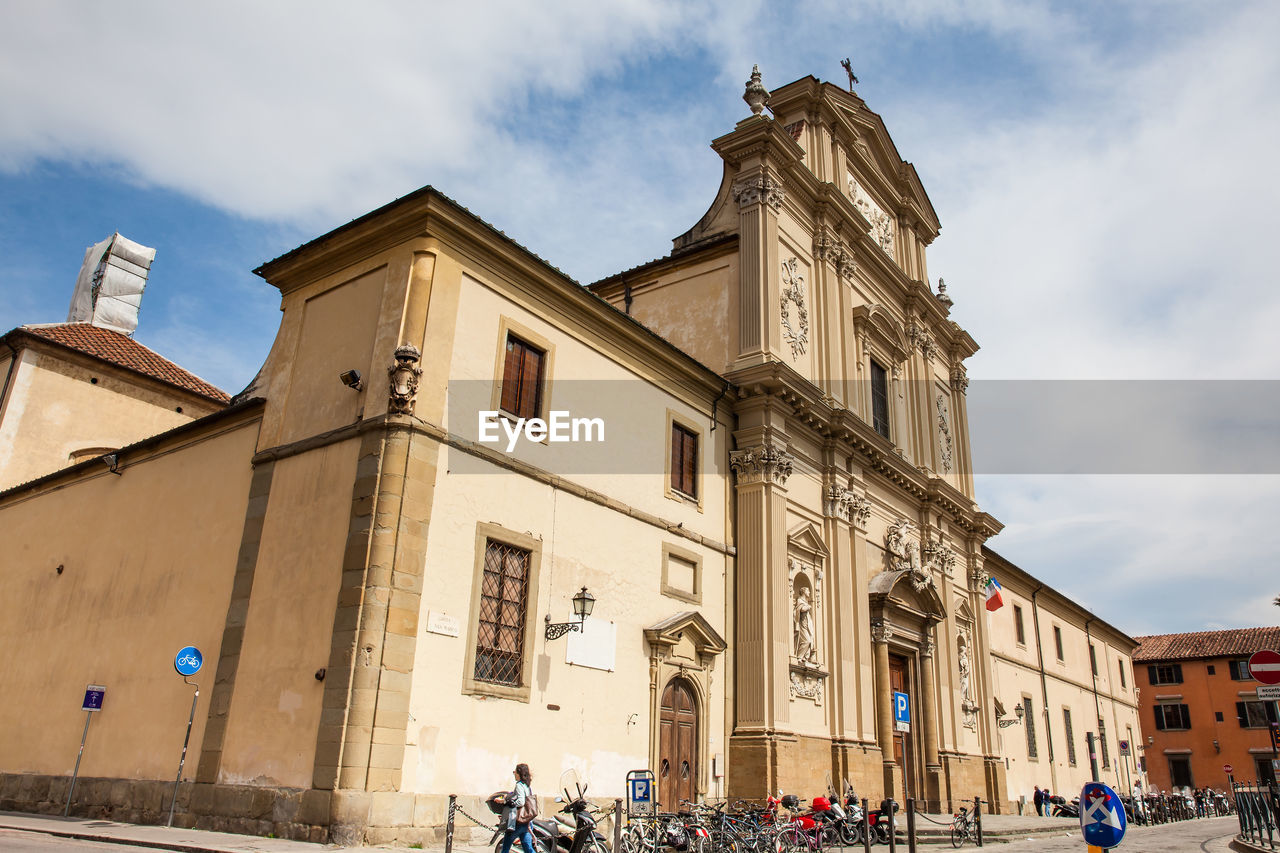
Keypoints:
pixel 677 745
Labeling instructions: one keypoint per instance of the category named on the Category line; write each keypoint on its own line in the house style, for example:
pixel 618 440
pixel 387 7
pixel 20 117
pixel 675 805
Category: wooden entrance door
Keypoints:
pixel 903 742
pixel 677 745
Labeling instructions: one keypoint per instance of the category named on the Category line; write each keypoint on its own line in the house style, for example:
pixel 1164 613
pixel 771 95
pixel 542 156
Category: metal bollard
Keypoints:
pixel 977 819
pixel 911 824
pixel 866 827
pixel 617 824
pixel 448 827
pixel 886 813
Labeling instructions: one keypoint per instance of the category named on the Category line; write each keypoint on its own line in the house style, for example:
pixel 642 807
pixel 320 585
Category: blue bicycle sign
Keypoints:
pixel 188 661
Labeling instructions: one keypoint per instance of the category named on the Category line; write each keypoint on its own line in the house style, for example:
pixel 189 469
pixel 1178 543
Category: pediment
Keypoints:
pixel 689 627
pixel 807 538
pixel 899 590
pixel 881 326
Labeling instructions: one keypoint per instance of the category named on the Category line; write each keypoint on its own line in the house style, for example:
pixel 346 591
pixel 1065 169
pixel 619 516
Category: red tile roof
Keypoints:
pixel 123 351
pixel 1239 642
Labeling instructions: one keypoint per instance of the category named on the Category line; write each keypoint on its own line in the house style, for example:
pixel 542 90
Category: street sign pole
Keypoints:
pixel 88 715
pixel 1093 757
pixel 93 696
pixel 187 662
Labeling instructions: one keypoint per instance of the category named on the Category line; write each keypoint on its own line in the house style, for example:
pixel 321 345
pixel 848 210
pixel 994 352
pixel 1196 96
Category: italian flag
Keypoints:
pixel 994 599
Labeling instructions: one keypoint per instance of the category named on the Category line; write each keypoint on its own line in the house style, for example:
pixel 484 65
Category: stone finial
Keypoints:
pixel 756 95
pixel 942 294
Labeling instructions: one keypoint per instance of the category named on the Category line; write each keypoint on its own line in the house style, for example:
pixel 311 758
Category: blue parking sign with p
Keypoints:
pixel 901 710
pixel 640 790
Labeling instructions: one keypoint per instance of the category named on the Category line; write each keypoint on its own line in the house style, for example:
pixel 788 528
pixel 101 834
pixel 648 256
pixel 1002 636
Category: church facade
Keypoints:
pixel 713 517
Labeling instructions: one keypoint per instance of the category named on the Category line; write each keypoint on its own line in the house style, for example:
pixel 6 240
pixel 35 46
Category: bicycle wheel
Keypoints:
pixel 958 836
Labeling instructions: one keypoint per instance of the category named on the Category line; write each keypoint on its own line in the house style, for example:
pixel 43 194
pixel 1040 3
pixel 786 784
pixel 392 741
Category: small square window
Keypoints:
pixel 1211 669
pixel 1217 715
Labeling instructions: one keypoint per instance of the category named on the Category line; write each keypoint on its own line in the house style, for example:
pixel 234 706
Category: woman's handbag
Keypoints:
pixel 529 810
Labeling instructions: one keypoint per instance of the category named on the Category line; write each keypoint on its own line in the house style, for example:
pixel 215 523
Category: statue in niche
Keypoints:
pixel 967 705
pixel 803 634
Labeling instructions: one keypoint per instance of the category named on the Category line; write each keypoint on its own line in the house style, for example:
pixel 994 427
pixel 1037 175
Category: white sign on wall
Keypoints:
pixel 594 646
pixel 442 623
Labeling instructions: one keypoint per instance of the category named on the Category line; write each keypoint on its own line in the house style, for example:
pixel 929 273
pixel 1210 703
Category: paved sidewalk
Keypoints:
pixel 159 837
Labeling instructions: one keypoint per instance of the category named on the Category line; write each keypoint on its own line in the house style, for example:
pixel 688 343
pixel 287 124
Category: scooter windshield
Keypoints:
pixel 572 785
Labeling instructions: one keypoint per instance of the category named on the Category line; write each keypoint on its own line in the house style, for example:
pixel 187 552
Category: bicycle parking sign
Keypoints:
pixel 640 793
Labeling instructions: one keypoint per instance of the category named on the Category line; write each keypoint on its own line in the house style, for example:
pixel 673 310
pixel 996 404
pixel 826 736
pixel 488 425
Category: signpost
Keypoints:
pixel 640 794
pixel 187 662
pixel 93 696
pixel 901 712
pixel 1227 768
pixel 1102 818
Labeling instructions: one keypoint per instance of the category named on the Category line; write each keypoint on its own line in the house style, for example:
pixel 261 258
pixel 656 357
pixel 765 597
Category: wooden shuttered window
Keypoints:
pixel 684 461
pixel 504 605
pixel 1172 717
pixel 522 377
pixel 880 399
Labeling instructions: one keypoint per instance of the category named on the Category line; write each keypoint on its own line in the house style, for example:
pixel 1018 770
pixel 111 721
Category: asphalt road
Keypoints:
pixel 1191 836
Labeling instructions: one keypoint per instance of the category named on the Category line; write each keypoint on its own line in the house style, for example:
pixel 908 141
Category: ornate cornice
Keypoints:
pixel 764 463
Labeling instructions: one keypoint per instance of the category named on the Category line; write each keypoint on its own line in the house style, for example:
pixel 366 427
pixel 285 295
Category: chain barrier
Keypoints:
pixel 931 820
pixel 457 808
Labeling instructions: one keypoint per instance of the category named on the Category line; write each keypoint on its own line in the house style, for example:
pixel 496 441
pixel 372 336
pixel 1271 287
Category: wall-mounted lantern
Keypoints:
pixel 583 603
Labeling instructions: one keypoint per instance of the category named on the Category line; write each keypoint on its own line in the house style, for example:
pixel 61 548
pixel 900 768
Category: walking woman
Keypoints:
pixel 523 809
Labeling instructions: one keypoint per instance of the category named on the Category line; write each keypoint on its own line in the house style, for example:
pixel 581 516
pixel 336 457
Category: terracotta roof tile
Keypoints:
pixel 123 351
pixel 1238 642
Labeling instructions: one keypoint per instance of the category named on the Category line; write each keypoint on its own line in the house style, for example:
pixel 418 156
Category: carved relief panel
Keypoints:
pixel 794 309
pixel 882 230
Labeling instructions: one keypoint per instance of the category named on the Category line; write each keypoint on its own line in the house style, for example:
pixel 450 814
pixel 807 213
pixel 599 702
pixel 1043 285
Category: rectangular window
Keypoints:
pixel 1102 740
pixel 1168 673
pixel 1057 641
pixel 522 379
pixel 1217 716
pixel 1031 727
pixel 1071 738
pixel 684 461
pixel 1018 630
pixel 1093 659
pixel 1211 670
pixel 879 399
pixel 1240 671
pixel 1120 666
pixel 1255 715
pixel 504 603
pixel 1172 717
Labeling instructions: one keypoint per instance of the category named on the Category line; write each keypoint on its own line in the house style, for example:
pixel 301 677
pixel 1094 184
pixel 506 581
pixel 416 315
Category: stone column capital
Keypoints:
pixel 766 463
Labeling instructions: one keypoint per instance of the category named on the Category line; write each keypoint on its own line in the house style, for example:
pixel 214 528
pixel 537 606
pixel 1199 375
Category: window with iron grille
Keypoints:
pixel 1102 739
pixel 504 604
pixel 522 379
pixel 1031 727
pixel 1071 738
pixel 1120 666
pixel 1168 673
pixel 879 399
pixel 1093 659
pixel 684 461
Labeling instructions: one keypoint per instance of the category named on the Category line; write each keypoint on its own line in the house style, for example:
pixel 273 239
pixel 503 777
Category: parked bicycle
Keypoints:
pixel 962 828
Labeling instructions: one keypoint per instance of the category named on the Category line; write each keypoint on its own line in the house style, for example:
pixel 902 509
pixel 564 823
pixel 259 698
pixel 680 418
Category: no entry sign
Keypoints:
pixel 1264 666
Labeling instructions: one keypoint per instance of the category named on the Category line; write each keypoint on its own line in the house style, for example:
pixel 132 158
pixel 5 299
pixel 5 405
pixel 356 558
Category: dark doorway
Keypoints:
pixel 1266 771
pixel 677 745
pixel 1180 772
pixel 904 742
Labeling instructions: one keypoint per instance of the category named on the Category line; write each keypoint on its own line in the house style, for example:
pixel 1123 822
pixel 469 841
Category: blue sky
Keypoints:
pixel 1103 171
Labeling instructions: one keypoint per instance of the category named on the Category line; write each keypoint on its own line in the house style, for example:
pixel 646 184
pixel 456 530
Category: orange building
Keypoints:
pixel 1199 707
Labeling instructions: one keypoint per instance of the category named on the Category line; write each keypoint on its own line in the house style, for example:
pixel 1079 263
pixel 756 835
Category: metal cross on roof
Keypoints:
pixel 848 69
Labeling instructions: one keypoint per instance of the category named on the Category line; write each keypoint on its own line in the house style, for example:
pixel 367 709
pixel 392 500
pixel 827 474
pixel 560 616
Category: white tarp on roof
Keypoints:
pixel 109 288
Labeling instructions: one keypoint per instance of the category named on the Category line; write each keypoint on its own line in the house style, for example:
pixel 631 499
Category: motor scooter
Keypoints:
pixel 558 835
pixel 882 821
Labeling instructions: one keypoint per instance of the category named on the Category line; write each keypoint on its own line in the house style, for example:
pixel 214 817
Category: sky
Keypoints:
pixel 1103 172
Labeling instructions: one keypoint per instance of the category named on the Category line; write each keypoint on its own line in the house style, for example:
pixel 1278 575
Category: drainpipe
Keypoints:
pixel 1044 688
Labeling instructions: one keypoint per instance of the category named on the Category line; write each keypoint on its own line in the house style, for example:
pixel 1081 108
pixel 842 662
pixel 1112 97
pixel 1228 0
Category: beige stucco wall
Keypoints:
pixel 275 710
pixel 1069 684
pixel 148 558
pixel 601 722
pixel 59 405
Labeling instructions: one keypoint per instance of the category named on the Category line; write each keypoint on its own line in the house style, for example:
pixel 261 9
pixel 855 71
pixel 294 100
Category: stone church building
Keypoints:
pixel 749 459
